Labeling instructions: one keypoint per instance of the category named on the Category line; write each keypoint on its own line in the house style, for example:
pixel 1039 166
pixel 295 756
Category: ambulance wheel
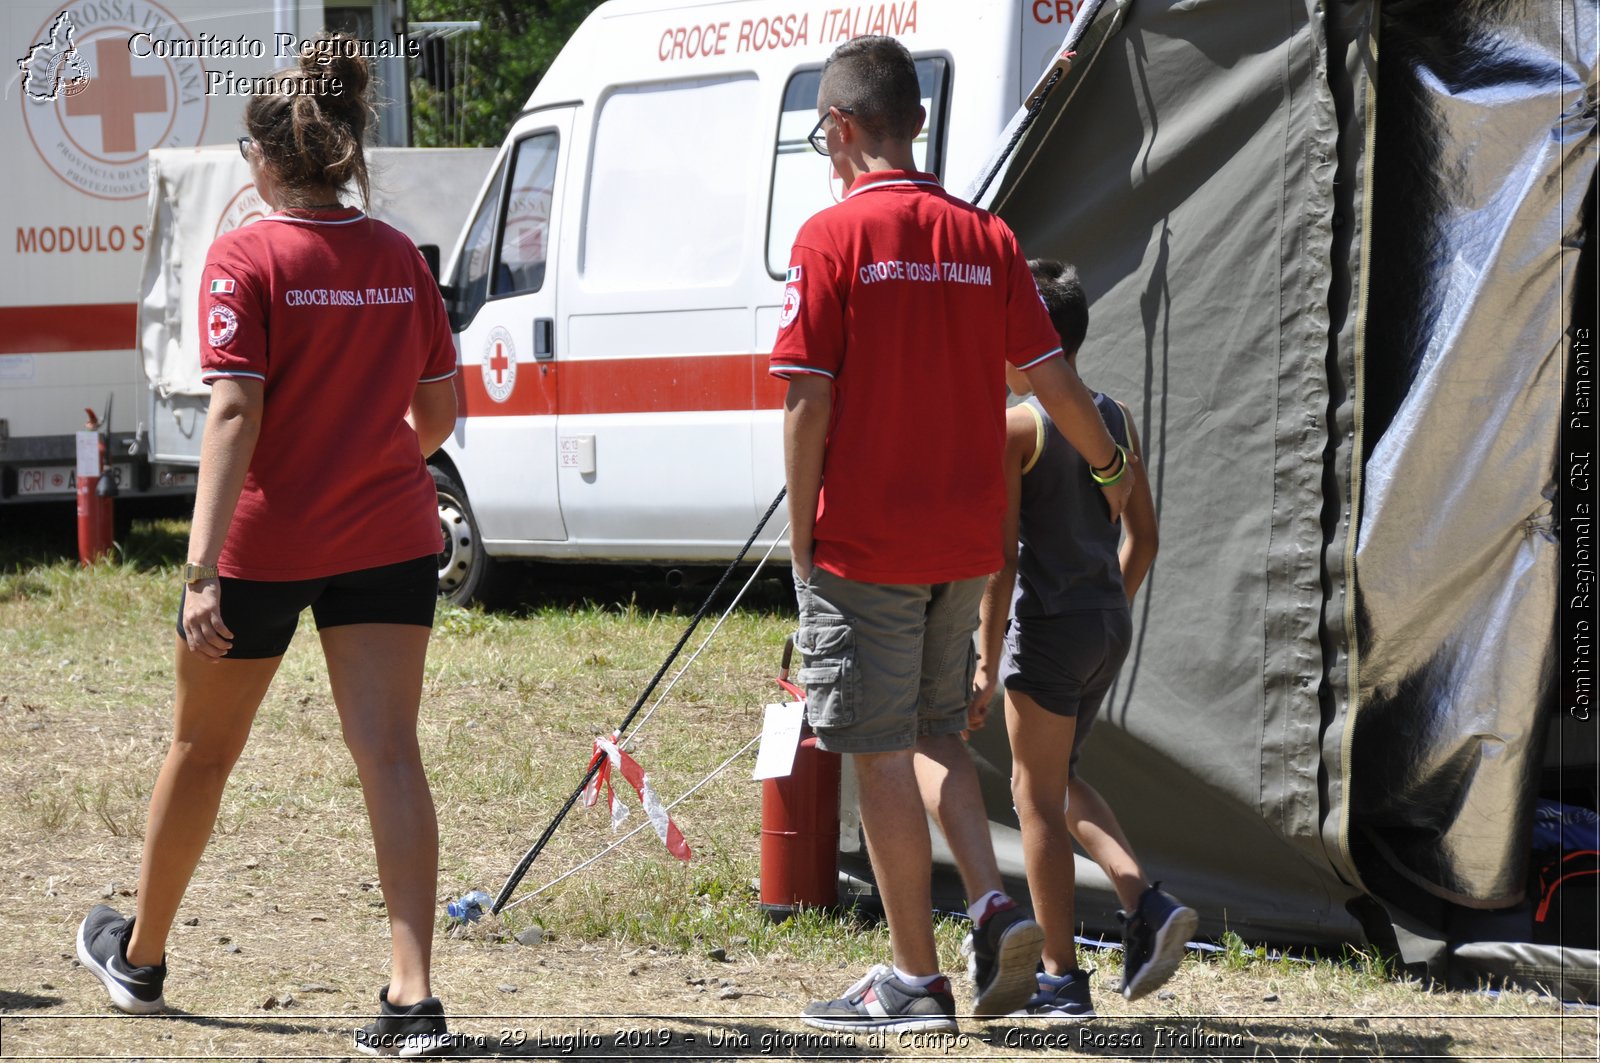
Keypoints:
pixel 464 565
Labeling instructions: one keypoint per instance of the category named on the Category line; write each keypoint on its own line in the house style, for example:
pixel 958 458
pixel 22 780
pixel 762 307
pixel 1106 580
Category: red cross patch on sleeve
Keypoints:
pixel 221 324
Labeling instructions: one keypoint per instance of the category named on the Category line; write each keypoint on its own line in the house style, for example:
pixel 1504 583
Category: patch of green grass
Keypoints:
pixel 455 621
pixel 1237 954
pixel 1370 966
pixel 691 910
pixel 1357 968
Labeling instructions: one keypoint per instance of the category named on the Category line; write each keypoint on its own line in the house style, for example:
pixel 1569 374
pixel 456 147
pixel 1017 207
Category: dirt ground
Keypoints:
pixel 295 990
pixel 283 946
pixel 282 942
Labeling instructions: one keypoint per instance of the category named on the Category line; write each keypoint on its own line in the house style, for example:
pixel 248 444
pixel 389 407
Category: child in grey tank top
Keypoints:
pixel 1066 589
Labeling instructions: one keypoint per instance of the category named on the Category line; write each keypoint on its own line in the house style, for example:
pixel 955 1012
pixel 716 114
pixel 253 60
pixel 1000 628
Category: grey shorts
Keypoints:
pixel 885 663
pixel 1067 662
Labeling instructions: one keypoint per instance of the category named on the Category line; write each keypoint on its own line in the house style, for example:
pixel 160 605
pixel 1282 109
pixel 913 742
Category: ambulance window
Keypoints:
pixel 664 210
pixel 525 233
pixel 803 181
pixel 471 281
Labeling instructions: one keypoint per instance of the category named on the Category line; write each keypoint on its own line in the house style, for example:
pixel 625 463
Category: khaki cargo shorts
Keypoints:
pixel 884 664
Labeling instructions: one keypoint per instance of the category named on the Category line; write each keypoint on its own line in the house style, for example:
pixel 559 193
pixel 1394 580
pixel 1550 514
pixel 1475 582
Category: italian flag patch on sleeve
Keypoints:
pixel 792 276
pixel 222 286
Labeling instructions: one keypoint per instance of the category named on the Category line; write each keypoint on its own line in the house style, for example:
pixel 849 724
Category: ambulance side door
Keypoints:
pixel 505 308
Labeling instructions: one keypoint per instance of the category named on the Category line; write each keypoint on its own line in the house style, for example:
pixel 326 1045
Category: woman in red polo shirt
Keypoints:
pixel 329 356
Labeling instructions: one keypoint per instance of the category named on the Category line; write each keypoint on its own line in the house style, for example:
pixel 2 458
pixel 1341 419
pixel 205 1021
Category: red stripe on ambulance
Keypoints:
pixel 691 384
pixel 79 327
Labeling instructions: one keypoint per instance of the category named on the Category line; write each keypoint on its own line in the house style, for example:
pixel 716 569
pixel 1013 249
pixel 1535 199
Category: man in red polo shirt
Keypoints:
pixel 903 305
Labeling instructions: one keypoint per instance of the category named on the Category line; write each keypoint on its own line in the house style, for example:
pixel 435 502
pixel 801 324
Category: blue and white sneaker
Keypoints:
pixel 880 1001
pixel 1063 997
pixel 103 951
pixel 1153 938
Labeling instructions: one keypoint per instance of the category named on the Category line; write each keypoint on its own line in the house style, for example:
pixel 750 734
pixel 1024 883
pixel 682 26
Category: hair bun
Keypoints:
pixel 311 126
pixel 339 56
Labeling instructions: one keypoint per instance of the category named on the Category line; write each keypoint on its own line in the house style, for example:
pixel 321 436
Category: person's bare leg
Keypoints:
pixel 1041 744
pixel 1092 822
pixel 951 795
pixel 1154 950
pixel 376 674
pixel 216 703
pixel 901 854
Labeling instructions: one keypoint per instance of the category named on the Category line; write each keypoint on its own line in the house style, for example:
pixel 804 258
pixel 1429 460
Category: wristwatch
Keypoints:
pixel 193 573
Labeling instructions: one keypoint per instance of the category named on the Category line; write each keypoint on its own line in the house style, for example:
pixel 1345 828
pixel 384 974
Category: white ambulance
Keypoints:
pixel 91 88
pixel 618 288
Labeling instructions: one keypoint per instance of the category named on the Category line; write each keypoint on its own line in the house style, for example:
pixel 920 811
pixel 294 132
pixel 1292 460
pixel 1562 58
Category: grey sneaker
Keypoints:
pixel 1063 997
pixel 1003 954
pixel 103 951
pixel 413 1031
pixel 1153 938
pixel 880 1001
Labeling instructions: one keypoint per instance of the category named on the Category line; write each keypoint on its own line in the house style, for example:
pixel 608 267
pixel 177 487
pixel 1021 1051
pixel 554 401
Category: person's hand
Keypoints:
pixel 1118 494
pixel 985 681
pixel 203 628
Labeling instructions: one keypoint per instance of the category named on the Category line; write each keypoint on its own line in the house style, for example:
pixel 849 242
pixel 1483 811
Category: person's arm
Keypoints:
pixel 1022 437
pixel 1071 406
pixel 1140 536
pixel 806 411
pixel 433 413
pixel 233 424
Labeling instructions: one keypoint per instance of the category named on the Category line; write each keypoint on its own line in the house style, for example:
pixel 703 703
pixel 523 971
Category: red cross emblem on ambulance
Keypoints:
pixel 499 365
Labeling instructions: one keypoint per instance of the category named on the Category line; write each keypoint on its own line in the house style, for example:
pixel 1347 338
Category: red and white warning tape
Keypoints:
pixel 611 758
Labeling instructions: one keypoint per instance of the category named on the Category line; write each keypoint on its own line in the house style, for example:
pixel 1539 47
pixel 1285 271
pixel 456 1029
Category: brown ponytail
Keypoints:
pixel 310 125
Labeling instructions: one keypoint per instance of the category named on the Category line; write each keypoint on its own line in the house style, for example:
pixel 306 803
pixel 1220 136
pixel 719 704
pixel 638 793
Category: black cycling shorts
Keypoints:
pixel 262 614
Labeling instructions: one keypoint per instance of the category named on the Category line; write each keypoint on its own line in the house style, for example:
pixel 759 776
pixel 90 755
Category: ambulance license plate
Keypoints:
pixel 37 480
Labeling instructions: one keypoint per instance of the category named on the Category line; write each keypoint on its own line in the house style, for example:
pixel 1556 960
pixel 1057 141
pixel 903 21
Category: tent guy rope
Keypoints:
pixel 594 767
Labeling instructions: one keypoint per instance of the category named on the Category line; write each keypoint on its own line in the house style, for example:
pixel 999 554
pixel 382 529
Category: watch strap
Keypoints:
pixel 193 573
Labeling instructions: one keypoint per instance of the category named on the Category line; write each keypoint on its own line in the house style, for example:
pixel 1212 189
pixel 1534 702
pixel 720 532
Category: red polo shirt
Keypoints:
pixel 340 317
pixel 911 301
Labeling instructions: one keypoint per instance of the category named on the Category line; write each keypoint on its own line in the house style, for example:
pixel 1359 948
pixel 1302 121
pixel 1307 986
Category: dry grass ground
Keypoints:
pixel 285 944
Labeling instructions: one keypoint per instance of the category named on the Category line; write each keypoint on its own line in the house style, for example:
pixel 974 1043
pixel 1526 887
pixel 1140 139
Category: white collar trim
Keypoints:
pixel 298 220
pixel 869 186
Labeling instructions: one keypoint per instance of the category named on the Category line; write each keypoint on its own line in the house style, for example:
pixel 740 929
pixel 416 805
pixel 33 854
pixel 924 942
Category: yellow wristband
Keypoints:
pixel 1122 468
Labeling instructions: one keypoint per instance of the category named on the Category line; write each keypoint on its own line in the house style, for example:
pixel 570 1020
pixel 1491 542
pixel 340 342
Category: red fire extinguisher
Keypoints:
pixel 800 825
pixel 97 486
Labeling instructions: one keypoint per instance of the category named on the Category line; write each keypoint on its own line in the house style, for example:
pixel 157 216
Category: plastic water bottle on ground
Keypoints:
pixel 470 908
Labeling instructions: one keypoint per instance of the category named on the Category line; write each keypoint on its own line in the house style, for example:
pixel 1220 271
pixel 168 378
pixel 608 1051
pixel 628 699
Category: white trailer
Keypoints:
pixel 95 86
